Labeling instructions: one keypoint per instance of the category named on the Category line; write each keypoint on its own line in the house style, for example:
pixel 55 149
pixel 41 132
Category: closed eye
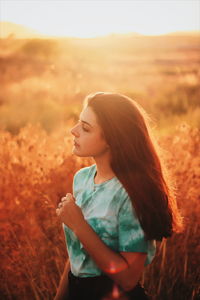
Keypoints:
pixel 83 126
pixel 85 129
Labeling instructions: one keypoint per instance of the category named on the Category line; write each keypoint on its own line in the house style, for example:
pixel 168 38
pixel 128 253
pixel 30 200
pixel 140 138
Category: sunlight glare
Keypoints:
pixel 97 18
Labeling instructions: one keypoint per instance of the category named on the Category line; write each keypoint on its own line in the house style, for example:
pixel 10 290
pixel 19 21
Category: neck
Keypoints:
pixel 104 170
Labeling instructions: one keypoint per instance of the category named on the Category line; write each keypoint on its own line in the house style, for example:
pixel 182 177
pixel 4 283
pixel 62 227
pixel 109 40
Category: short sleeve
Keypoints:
pixel 130 233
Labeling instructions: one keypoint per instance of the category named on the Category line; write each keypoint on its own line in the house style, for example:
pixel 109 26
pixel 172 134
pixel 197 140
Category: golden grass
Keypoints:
pixel 37 170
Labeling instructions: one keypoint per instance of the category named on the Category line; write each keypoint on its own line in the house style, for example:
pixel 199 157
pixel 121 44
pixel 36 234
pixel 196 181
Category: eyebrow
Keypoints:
pixel 86 123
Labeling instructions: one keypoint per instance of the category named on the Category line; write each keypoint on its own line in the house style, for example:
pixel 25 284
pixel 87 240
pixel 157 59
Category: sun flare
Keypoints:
pixel 97 18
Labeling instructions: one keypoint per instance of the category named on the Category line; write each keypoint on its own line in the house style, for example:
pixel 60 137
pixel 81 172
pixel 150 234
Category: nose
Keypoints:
pixel 74 131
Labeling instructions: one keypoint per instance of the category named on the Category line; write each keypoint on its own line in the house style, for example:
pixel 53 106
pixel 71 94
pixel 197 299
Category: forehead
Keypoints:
pixel 89 116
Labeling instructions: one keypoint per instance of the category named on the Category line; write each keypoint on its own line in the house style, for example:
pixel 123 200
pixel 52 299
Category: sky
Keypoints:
pixel 95 18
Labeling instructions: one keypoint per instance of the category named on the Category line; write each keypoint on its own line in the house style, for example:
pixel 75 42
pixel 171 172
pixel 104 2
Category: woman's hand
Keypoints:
pixel 69 213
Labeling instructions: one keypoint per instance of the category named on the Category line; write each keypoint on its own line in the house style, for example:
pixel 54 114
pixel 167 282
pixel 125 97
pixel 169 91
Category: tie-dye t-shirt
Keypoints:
pixel 108 209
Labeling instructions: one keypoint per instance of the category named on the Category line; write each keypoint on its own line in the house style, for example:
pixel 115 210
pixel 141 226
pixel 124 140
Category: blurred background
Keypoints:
pixel 54 53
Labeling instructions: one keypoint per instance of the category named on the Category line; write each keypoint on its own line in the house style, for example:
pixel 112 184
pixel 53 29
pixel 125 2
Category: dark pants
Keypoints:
pixel 100 288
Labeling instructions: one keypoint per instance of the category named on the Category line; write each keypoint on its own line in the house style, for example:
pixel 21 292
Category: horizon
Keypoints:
pixel 27 32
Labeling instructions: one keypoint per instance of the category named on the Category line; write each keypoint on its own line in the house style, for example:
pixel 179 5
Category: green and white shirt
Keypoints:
pixel 108 209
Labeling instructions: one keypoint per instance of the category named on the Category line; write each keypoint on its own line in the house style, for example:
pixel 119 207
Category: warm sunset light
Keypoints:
pixel 96 18
pixel 130 174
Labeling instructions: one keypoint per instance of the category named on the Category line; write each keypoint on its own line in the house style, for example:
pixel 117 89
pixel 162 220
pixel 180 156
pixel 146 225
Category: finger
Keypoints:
pixel 63 199
pixel 60 204
pixel 69 196
pixel 57 211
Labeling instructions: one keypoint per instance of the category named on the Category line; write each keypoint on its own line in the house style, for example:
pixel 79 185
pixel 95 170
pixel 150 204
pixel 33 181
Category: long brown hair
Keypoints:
pixel 136 163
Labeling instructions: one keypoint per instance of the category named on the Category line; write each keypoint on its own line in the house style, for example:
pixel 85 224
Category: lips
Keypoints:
pixel 76 144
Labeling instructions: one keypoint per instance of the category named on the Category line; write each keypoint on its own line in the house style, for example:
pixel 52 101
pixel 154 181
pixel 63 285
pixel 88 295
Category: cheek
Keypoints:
pixel 96 143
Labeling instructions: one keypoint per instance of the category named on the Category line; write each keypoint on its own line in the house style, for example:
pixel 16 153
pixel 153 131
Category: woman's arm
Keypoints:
pixel 132 274
pixel 63 285
pixel 125 268
pixel 123 271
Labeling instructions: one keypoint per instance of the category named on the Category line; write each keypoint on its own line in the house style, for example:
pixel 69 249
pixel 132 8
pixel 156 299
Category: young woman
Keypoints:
pixel 120 206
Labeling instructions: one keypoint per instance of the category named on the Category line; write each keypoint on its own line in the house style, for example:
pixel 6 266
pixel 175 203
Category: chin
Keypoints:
pixel 78 153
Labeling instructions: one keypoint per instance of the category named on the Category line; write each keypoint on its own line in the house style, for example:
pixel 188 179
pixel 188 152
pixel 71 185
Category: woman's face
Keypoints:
pixel 88 136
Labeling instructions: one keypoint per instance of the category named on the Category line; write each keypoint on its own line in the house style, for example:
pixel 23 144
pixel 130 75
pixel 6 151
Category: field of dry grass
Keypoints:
pixel 45 81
